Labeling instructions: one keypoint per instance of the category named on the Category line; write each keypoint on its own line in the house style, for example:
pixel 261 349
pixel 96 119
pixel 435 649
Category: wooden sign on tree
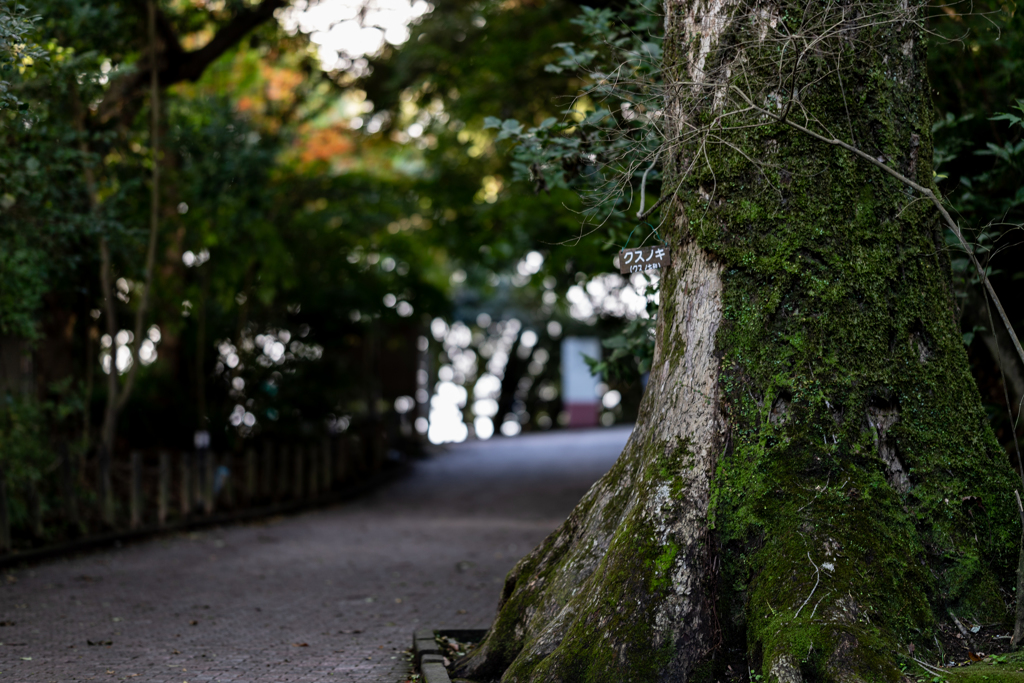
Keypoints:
pixel 642 259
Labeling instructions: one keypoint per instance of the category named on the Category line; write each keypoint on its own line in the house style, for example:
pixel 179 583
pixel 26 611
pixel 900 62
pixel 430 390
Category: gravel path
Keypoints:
pixel 330 595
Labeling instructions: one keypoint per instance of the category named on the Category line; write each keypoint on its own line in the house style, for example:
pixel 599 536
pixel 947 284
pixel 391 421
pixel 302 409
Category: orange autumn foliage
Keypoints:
pixel 324 144
pixel 281 83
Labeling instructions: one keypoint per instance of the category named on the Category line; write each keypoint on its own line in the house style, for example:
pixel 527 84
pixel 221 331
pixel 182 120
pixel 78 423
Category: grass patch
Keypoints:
pixel 1008 668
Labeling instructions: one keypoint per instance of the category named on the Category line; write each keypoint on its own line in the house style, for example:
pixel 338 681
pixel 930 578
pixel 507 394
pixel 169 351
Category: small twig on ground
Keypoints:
pixel 942 650
pixel 960 627
pixel 929 668
pixel 817 580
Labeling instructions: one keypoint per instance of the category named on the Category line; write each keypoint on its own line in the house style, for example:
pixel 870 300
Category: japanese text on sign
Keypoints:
pixel 643 259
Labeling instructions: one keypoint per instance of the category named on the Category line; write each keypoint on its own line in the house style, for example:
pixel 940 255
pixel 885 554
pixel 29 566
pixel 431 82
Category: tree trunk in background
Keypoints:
pixel 108 432
pixel 514 369
pixel 202 422
pixel 812 483
pixel 117 396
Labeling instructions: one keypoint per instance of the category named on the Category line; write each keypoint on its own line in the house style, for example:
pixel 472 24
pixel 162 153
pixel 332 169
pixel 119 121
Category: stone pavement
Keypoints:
pixel 329 595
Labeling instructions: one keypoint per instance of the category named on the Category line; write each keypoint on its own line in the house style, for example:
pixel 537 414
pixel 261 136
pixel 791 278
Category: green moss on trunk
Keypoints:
pixel 862 496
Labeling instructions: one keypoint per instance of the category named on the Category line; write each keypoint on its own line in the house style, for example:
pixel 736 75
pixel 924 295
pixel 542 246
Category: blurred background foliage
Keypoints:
pixel 976 64
pixel 380 237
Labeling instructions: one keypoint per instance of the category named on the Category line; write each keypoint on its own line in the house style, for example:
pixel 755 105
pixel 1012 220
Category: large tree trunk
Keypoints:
pixel 812 484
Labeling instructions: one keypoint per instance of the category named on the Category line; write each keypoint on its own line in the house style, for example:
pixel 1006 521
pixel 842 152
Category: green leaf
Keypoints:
pixel 1012 118
pixel 653 50
pixel 619 341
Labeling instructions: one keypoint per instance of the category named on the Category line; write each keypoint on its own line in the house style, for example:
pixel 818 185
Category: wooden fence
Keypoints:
pixel 158 488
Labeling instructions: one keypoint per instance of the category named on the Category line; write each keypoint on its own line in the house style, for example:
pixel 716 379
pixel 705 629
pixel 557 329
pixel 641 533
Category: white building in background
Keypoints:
pixel 580 396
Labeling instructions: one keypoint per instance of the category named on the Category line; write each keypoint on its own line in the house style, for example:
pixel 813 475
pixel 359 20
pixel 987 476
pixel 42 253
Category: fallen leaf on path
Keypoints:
pixel 100 642
pixel 193 623
pixel 300 644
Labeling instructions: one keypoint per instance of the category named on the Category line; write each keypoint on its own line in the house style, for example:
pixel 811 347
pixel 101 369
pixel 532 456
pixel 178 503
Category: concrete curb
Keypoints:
pixel 427 655
pixel 117 537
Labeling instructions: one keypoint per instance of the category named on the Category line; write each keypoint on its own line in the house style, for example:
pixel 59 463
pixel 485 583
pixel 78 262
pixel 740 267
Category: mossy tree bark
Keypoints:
pixel 812 485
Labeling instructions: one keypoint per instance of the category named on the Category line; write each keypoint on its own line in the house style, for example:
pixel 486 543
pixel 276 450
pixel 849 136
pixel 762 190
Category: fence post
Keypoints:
pixel 283 468
pixel 202 485
pixel 267 483
pixel 199 485
pixel 299 456
pixel 208 474
pixel 341 459
pixel 229 480
pixel 136 493
pixel 326 473
pixel 313 459
pixel 379 446
pixel 185 494
pixel 104 486
pixel 35 508
pixel 250 475
pixel 358 458
pixel 163 488
pixel 5 517
pixel 67 469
